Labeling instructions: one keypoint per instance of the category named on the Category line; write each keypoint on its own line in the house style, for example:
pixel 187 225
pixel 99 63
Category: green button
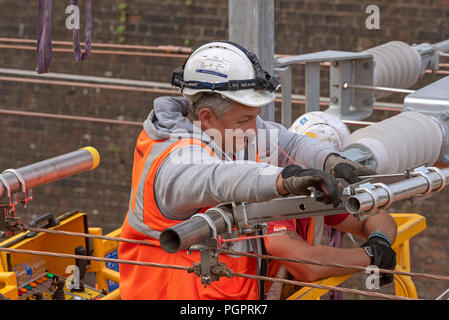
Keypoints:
pixel 28 287
pixel 50 275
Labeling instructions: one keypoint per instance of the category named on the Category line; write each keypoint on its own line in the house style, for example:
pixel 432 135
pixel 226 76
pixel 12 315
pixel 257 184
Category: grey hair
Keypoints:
pixel 219 104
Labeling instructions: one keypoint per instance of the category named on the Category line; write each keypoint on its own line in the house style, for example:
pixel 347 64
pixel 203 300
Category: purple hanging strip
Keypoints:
pixel 44 50
pixel 79 56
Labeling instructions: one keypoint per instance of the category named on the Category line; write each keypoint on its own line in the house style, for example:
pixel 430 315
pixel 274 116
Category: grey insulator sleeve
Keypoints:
pixel 396 65
pixel 400 142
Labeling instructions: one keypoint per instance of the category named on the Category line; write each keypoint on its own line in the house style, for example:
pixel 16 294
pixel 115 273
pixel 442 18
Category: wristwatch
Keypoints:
pixel 369 252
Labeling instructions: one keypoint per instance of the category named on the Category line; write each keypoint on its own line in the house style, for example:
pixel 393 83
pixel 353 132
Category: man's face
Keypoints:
pixel 231 130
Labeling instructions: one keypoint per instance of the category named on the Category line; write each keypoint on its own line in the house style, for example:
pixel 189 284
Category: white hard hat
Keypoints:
pixel 323 126
pixel 229 69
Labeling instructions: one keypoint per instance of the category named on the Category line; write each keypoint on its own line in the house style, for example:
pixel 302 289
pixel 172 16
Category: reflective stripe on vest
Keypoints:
pixel 159 151
pixel 135 215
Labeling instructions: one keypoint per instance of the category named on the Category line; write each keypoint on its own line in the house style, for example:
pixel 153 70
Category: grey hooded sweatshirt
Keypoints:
pixel 192 178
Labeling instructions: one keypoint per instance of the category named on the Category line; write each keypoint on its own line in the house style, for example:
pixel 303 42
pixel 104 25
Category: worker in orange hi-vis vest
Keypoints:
pixel 205 148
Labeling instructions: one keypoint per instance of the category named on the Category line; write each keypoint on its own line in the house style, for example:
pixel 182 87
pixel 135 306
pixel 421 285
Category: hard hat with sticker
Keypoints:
pixel 322 126
pixel 229 69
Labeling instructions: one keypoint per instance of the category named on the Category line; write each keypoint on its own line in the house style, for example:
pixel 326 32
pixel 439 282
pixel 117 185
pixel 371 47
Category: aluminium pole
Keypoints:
pixel 251 24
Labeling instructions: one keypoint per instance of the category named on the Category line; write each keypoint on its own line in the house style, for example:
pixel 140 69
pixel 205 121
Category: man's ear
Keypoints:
pixel 207 118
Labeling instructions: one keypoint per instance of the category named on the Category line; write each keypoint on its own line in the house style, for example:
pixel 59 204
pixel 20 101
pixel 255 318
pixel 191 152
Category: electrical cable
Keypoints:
pixel 165 48
pixel 188 269
pixel 105 52
pixel 231 252
pixel 67 117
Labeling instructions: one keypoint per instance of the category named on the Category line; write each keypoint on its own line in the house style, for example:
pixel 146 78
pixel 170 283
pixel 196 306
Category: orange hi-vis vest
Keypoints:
pixel 144 221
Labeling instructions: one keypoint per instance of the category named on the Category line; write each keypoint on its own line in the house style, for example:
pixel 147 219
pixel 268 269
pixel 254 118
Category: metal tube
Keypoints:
pixel 312 86
pixel 366 87
pixel 85 78
pixel 169 48
pixel 295 207
pixel 96 51
pixel 358 123
pixel 285 77
pixel 197 230
pixel 442 46
pixel 364 201
pixel 256 18
pixel 50 170
pixel 193 231
pixel 151 86
pixel 69 117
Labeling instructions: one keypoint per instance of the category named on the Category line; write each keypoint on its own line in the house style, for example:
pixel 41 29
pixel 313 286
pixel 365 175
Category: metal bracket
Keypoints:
pixel 389 192
pixel 443 179
pixel 285 77
pixel 345 66
pixel 209 269
pixel 24 196
pixel 228 233
pixel 213 273
pixel 6 185
pixel 209 222
pixel 225 218
pixel 367 187
pixel 19 177
pixel 422 172
pixel 429 55
pixel 351 189
pixel 209 258
pixel 408 172
pixel 240 217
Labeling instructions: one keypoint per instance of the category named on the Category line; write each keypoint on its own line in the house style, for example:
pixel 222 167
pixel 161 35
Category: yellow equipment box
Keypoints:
pixel 31 277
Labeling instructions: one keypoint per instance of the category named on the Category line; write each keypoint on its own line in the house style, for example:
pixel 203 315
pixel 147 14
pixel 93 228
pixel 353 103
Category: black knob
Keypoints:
pixel 38 296
pixel 59 292
pixel 82 267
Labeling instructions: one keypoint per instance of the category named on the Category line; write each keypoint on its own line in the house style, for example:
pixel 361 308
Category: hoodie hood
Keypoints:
pixel 168 120
pixel 169 116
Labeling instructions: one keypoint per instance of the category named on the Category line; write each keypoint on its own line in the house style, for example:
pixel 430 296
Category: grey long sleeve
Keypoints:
pixel 182 188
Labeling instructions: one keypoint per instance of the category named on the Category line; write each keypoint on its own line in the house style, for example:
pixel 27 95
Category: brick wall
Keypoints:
pixel 301 27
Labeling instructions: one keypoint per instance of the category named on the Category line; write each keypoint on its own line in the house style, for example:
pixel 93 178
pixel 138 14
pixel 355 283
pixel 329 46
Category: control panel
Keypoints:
pixel 49 286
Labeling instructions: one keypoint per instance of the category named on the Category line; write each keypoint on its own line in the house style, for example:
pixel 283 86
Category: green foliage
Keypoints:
pixel 114 149
pixel 121 28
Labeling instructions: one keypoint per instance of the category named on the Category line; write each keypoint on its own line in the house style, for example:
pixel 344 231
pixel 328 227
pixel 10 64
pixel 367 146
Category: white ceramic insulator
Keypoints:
pixel 401 142
pixel 396 65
